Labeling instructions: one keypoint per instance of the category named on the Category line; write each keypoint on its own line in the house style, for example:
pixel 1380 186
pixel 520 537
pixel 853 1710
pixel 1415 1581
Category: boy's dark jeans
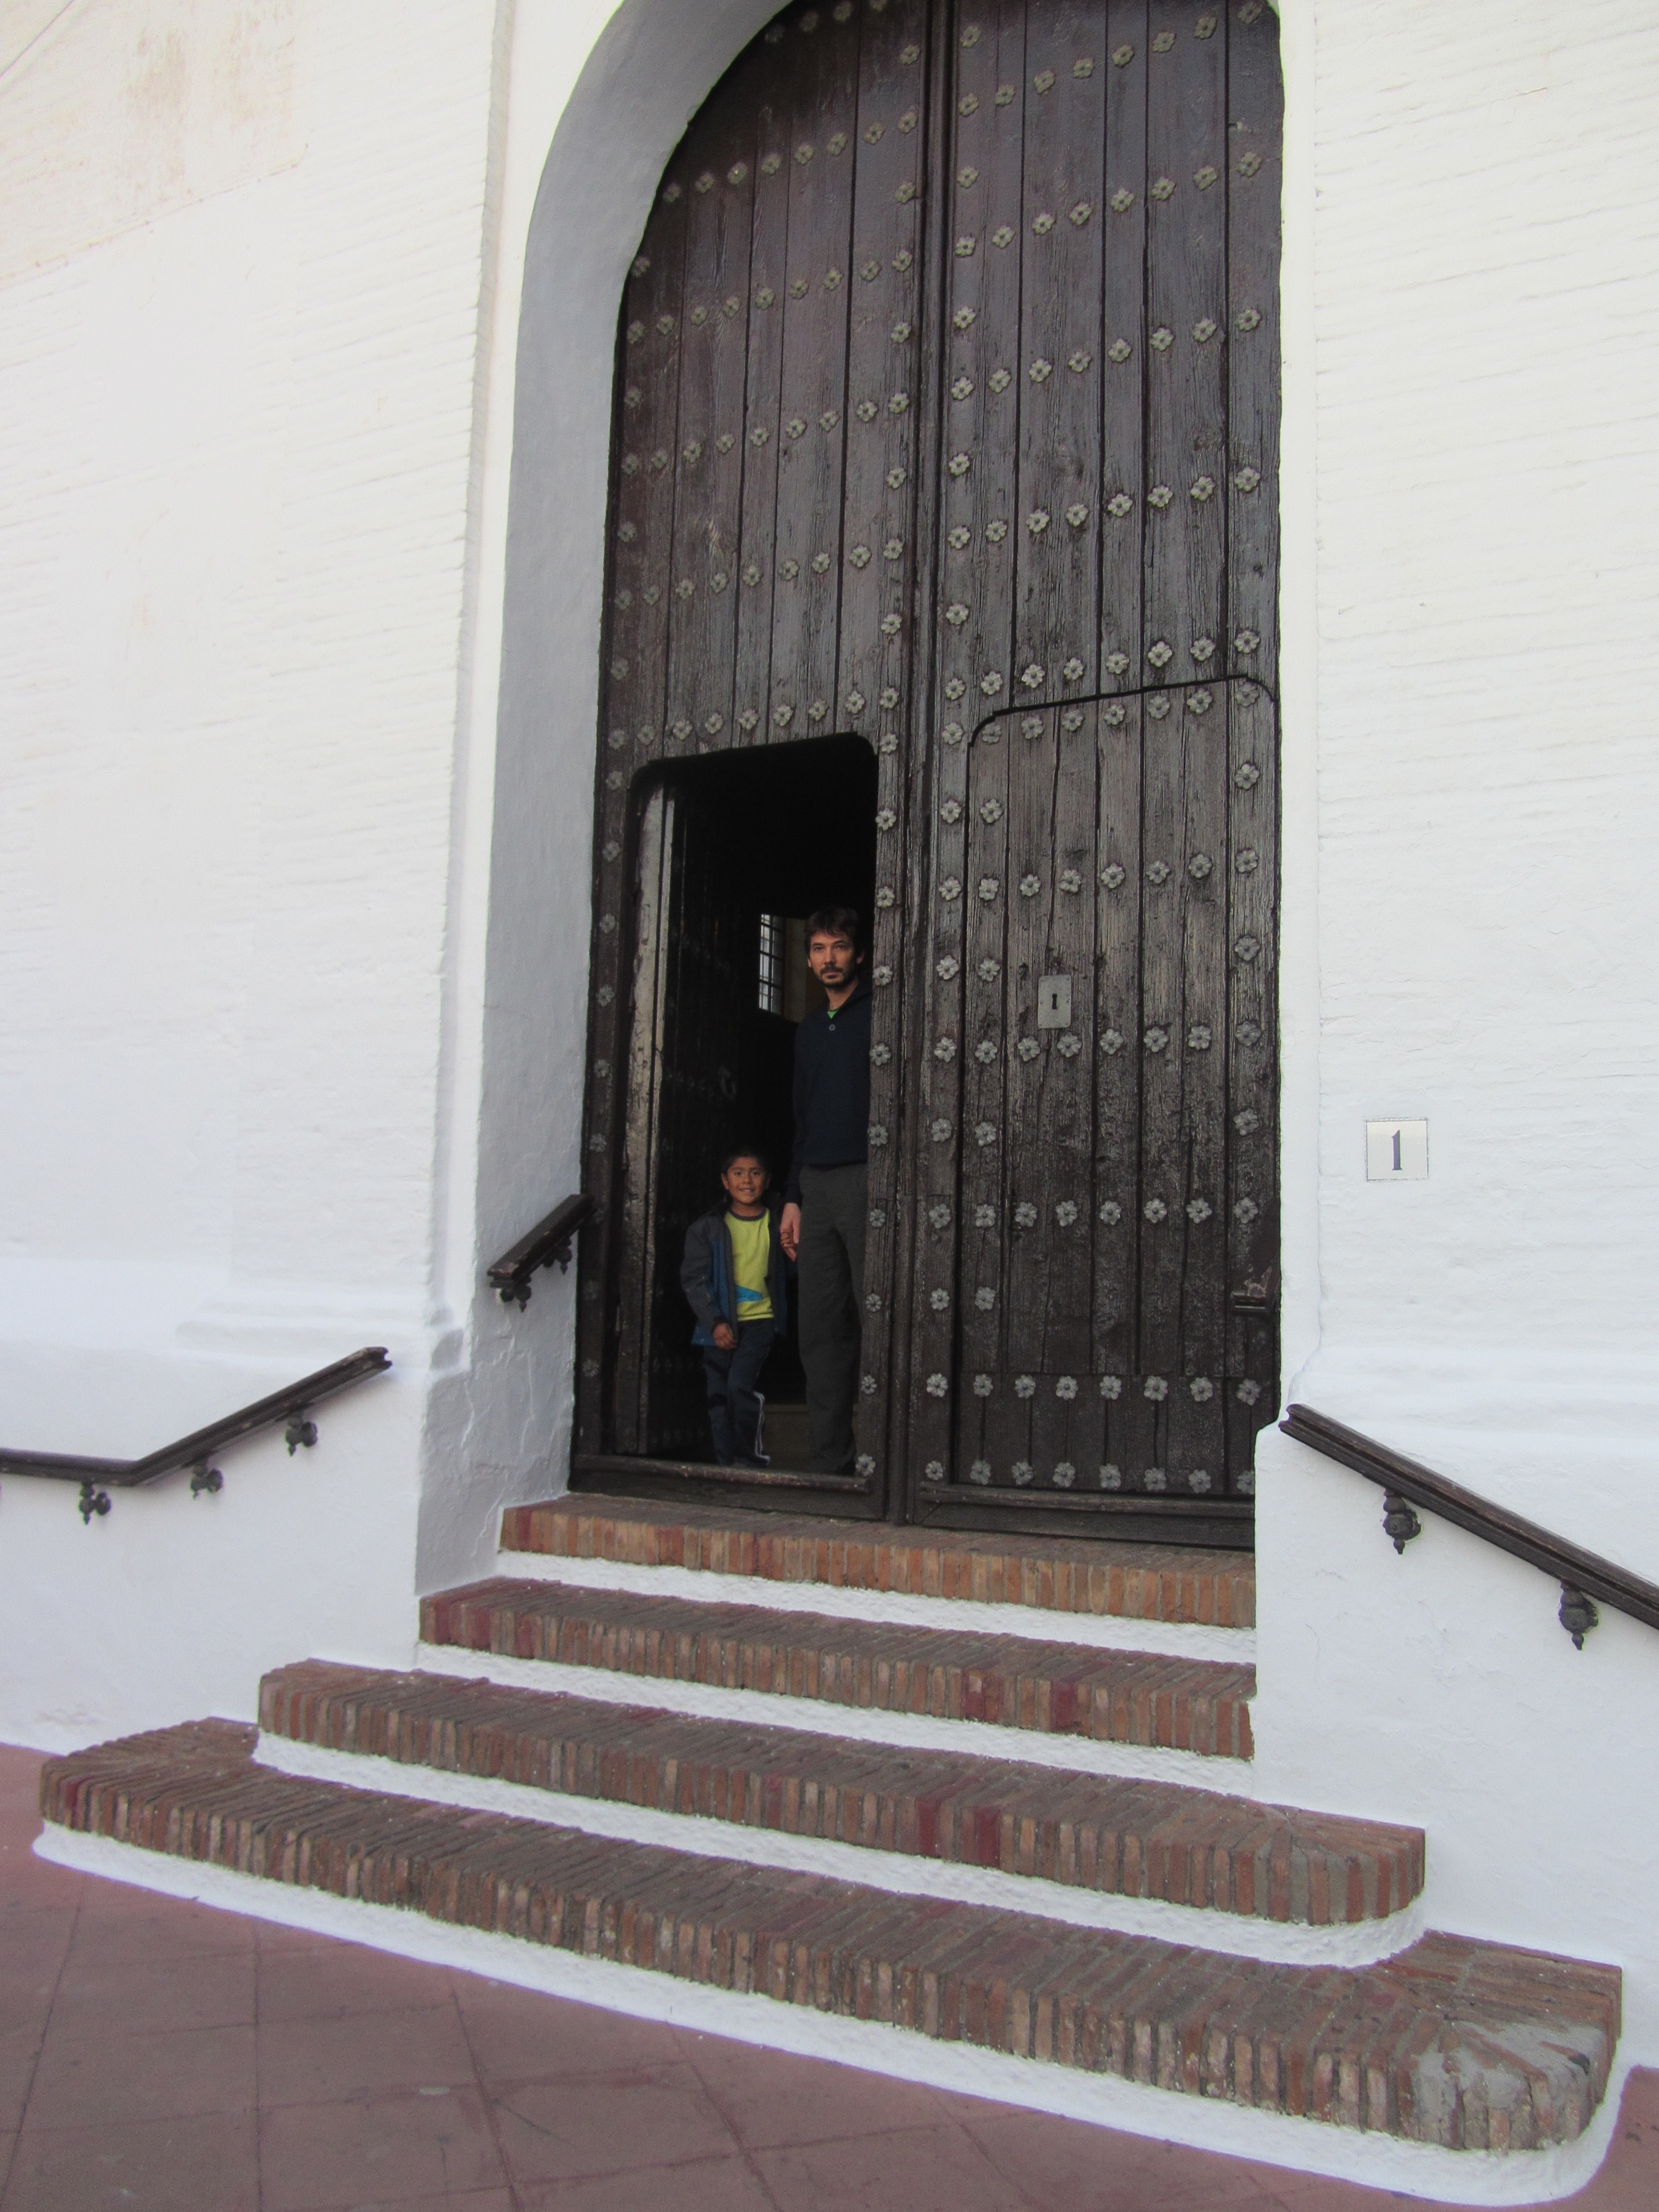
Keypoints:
pixel 833 1208
pixel 734 1408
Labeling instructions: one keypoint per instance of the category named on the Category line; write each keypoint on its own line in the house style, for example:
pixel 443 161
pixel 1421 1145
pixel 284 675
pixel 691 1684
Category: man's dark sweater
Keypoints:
pixel 832 1088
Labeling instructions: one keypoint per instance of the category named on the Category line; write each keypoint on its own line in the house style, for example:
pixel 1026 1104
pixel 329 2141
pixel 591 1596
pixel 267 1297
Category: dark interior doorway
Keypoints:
pixel 732 853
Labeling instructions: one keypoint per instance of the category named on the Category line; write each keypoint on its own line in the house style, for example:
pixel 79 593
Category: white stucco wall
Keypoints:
pixel 1471 799
pixel 300 572
pixel 238 341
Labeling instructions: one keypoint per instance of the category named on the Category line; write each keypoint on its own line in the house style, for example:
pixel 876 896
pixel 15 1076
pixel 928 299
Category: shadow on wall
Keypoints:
pixel 499 1426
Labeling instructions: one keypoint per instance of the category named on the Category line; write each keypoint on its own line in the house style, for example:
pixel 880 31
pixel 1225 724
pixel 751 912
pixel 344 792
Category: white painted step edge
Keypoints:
pixel 891 1872
pixel 1421 2170
pixel 887 1608
pixel 1073 1754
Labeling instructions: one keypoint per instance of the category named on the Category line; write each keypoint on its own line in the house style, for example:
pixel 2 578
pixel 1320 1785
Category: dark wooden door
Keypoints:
pixel 947 416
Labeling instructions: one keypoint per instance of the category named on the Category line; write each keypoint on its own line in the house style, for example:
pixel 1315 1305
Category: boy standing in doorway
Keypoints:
pixel 821 1226
pixel 733 1276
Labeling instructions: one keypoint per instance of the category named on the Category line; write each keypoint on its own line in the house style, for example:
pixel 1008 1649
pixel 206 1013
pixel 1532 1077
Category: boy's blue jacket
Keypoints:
pixel 709 1273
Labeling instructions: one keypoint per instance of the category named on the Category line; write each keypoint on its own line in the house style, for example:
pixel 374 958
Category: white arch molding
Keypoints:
pixel 593 97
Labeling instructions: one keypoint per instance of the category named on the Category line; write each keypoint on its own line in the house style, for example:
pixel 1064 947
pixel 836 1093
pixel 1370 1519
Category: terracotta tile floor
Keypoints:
pixel 164 2057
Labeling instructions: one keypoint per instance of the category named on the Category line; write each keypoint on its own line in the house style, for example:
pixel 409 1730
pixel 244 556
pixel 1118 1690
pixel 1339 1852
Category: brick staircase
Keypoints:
pixel 982 1789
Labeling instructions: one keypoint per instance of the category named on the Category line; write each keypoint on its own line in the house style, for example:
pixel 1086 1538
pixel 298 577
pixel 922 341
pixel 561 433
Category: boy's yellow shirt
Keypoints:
pixel 751 1251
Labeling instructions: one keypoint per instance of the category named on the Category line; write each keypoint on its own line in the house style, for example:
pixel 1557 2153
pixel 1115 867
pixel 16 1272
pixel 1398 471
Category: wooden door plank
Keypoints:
pixel 878 641
pixel 762 412
pixel 972 627
pixel 1186 308
pixel 635 1185
pixel 1254 188
pixel 1252 1030
pixel 708 460
pixel 811 441
pixel 1199 1041
pixel 1163 1147
pixel 1063 229
pixel 1117 1221
pixel 1123 354
pixel 884 395
pixel 984 1217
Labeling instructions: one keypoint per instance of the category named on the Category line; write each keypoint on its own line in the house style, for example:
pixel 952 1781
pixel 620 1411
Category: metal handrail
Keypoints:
pixel 550 1240
pixel 1583 1575
pixel 197 1452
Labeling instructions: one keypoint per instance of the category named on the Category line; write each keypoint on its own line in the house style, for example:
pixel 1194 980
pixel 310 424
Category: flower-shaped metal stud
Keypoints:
pixel 1031 726
pixel 1200 866
pixel 1025 1216
pixel 1025 1385
pixel 984 1298
pixel 605 994
pixel 939 1130
pixel 1204 178
pixel 855 699
pixel 988 888
pixel 950 890
pixel 979 1472
pixel 1248 1392
pixel 1111 1042
pixel 985 1053
pixel 933 1472
pixel 1122 55
pixel 1037 521
pixel 1157 1039
pixel 1043 81
pixel 959 465
pixel 996 531
pixel 1198 1210
pixel 1159 872
pixel 991 684
pixel 1247 1123
pixel 1080 213
pixel 944 1049
pixel 1155 1210
pixel 1023 1472
pixel 1120 504
pixel 964 319
pixel 891 625
pixel 1066 1386
pixel 872 1302
pixel 1112 876
pixel 748 719
pixel 1249 1033
pixel 1029 886
pixel 1203 650
pixel 1159 496
pixel 963 388
pixel 989 970
pixel 1072 719
pixel 1070 1045
pixel 1027 1049
pixel 1247 318
pixel 982 1386
pixel 1246 775
pixel 1249 164
pixel 1245 1212
pixel 1040 370
pixel 1117 664
pixel 1247 641
pixel 1069 880
pixel 965 246
pixel 1202 489
pixel 937 1386
pixel 950 811
pixel 1248 862
pixel 1077 514
pixel 939 1301
pixel 877 1134
pixel 1065 1214
pixel 999 380
pixel 865 410
pixel 1158 708
pixel 1199 1038
pixel 952 734
pixel 1043 224
pixel 955 614
pixel 1161 339
pixel 1119 351
pixel 1246 948
pixel 967 177
pixel 1164 189
pixel 1247 480
pixel 950 968
pixel 1155 1389
pixel 1033 676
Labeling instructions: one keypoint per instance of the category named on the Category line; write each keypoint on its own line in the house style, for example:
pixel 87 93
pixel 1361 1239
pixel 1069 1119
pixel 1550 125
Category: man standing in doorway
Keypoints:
pixel 822 1227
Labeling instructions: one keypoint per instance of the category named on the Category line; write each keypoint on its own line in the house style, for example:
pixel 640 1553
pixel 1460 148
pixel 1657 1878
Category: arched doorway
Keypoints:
pixel 947 421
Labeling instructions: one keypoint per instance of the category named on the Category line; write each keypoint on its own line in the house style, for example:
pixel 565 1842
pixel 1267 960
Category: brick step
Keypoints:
pixel 1008 1681
pixel 1130 1839
pixel 1136 1582
pixel 1452 2042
